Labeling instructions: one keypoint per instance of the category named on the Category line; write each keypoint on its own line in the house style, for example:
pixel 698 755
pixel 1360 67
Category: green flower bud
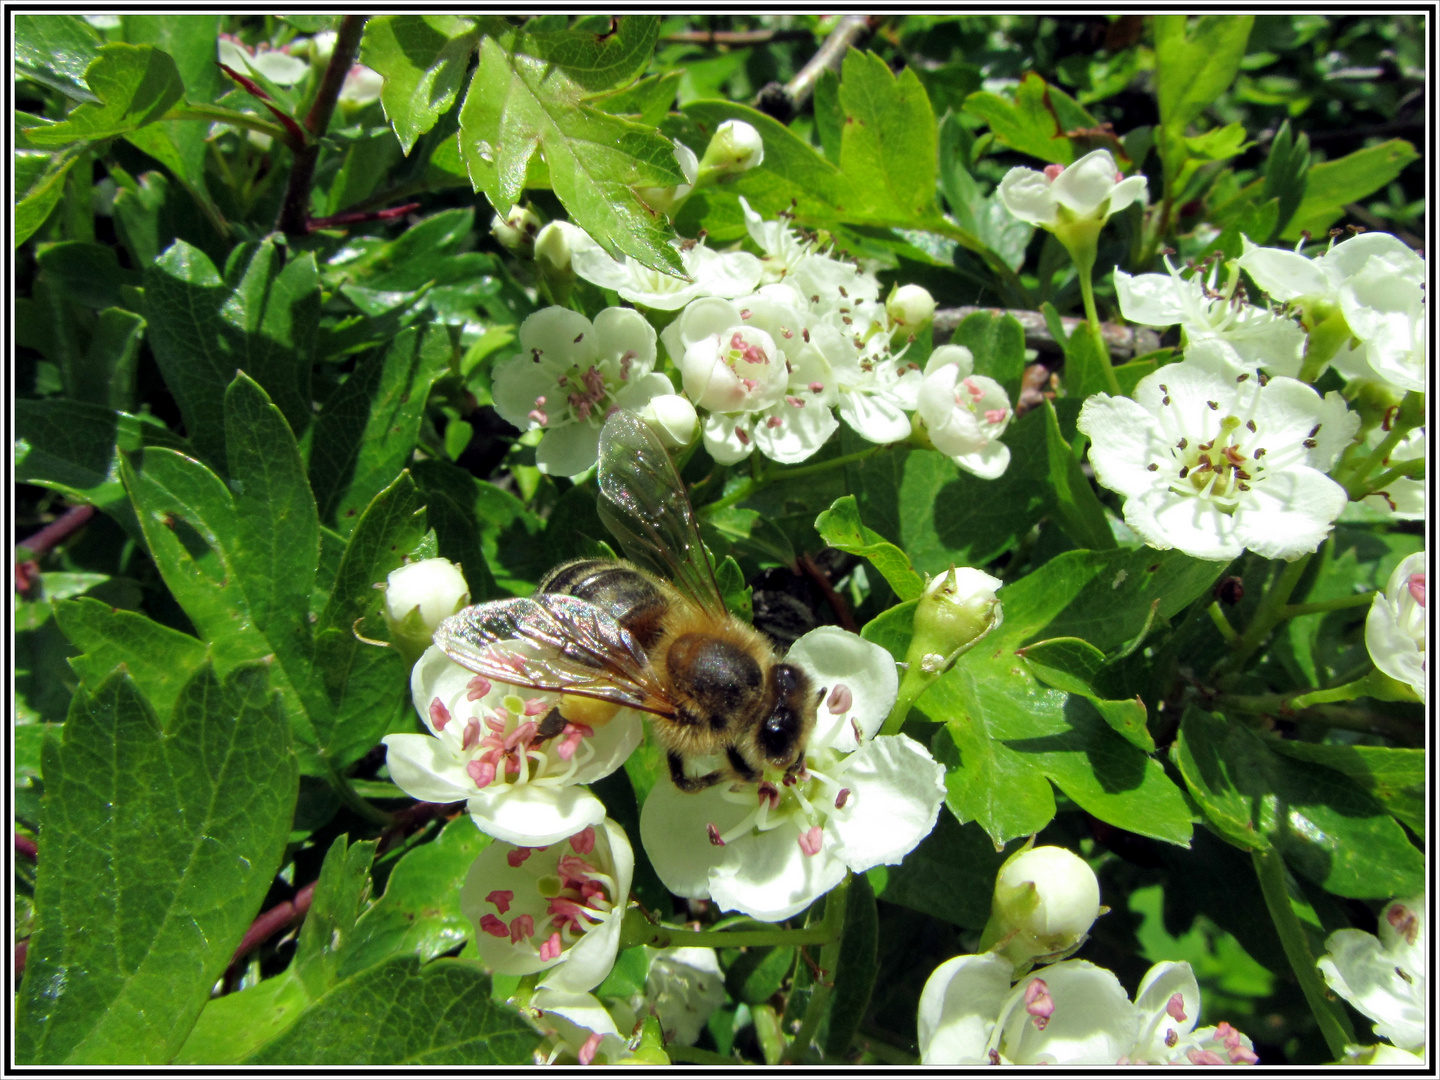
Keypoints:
pixel 1045 901
pixel 417 597
pixel 516 231
pixel 910 307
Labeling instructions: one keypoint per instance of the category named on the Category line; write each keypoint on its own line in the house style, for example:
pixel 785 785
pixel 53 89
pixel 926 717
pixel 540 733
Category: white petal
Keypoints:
pixel 1285 275
pixel 490 872
pixel 637 393
pixel 896 789
pixel 834 657
pixel 958 1008
pixel 1159 985
pixel 1124 439
pixel 569 449
pixel 874 417
pixel 1027 194
pixel 583 1012
pixel 529 815
pixel 729 274
pixel 1361 972
pixel 768 877
pixel 1126 192
pixel 425 769
pixel 1290 514
pixel 1348 258
pixel 801 432
pixel 1166 520
pixel 988 463
pixel 672 828
pixel 553 331
pixel 721 440
pixel 620 330
pixel 1086 183
pixel 1093 1022
pixel 612 743
pixel 1390 645
pixel 959 356
pixel 516 383
pixel 1149 299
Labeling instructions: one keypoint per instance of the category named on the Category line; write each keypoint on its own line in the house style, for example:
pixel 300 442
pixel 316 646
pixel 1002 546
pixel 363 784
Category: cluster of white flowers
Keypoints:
pixel 1384 977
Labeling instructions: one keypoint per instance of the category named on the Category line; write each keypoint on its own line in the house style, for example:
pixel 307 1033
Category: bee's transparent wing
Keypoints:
pixel 577 649
pixel 643 502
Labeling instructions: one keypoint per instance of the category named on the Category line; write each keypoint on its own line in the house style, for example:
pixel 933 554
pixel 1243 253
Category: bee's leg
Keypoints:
pixel 690 784
pixel 553 724
pixel 797 767
pixel 740 765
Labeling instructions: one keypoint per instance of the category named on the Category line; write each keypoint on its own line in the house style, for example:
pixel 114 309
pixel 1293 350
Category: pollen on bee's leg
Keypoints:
pixel 712 831
pixel 810 840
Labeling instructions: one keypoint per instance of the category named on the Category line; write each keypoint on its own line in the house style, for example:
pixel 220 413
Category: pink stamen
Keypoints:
pixel 570 742
pixel 521 928
pixel 522 735
pixel 477 688
pixel 1240 1056
pixel 1052 172
pixel 482 772
pixel 1038 1003
pixel 471 737
pixel 714 834
pixel 518 856
pixel 586 1053
pixel 840 699
pixel 584 841
pixel 551 949
pixel 539 416
pixel 772 422
pixel 574 871
pixel 595 383
pixel 1403 920
pixel 540 401
pixel 842 798
pixel 494 927
pixel 1417 588
pixel 791 399
pixel 994 416
pixel 1175 1007
pixel 501 899
pixel 1203 1057
pixel 535 706
pixel 816 387
pixel 745 314
pixel 439 714
pixel 741 434
pixel 810 840
pixel 976 392
pixel 748 384
pixel 768 792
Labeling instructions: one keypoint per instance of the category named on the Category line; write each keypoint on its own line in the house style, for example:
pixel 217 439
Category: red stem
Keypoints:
pixel 26 847
pixel 273 921
pixel 39 543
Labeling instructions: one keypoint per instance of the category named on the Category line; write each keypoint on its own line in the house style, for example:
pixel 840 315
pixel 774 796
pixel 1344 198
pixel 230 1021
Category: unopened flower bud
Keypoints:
pixel 417 597
pixel 735 147
pixel 1046 900
pixel 672 417
pixel 516 231
pixel 910 306
pixel 665 200
pixel 957 609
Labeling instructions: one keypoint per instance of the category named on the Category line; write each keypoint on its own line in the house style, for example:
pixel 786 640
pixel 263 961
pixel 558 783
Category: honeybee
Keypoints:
pixel 650 632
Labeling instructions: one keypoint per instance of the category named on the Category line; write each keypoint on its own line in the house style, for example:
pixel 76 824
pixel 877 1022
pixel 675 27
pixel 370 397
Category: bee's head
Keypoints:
pixel 782 734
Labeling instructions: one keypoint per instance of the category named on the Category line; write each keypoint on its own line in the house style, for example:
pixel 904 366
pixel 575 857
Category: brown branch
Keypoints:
pixel 269 923
pixel 783 102
pixel 38 543
pixel 734 37
pixel 295 210
pixel 1124 342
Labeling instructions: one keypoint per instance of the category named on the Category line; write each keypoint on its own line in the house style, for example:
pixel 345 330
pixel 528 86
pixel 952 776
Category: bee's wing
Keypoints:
pixel 579 649
pixel 643 502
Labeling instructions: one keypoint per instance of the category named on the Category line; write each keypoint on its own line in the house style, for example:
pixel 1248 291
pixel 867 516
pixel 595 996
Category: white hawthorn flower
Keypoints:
pixel 418 596
pixel 483 750
pixel 663 200
pixel 770 849
pixel 965 414
pixel 1375 281
pixel 1384 977
pixel 362 85
pixel 556 908
pixel 910 306
pixel 672 417
pixel 516 231
pixel 710 273
pixel 1090 189
pixel 1070 1013
pixel 1395 626
pixel 557 241
pixel 1046 899
pixel 683 986
pixel 1203 310
pixel 578 1029
pixel 570 374
pixel 277 65
pixel 1211 459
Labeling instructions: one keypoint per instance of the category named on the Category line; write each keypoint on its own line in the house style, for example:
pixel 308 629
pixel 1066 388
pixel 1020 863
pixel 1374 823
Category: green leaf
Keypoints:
pixel 159 660
pixel 1332 185
pixel 1327 826
pixel 855 971
pixel 1394 775
pixel 829 116
pixel 1287 175
pixel 158 846
pixel 54 50
pixel 399 1013
pixel 484 529
pixel 368 427
pixel 1077 508
pixel 840 527
pixel 1076 666
pixel 423 59
pixel 1008 737
pixel 527 96
pixel 1195 66
pixel 340 894
pixel 367 686
pixel 1086 358
pixel 39 183
pixel 189 40
pixel 735 591
pixel 1036 122
pixel 888 142
pixel 74 448
pixel 950 876
pixel 419 915
pixel 277 532
pixel 648 100
pixel 134 85
pixel 260 319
